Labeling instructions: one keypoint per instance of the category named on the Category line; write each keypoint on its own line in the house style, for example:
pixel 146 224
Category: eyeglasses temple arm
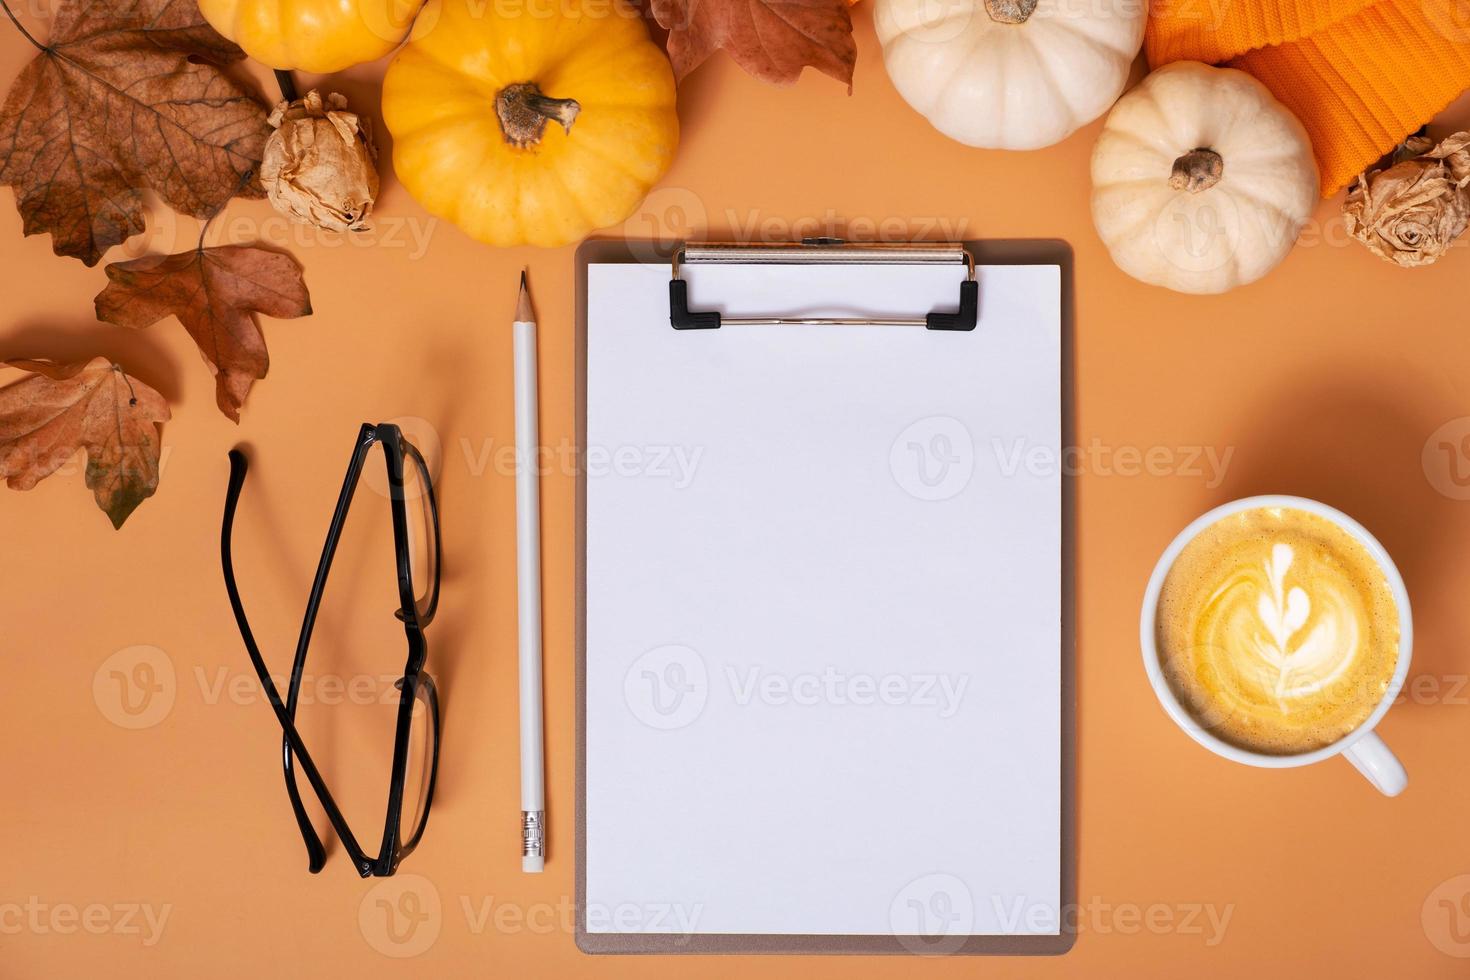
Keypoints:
pixel 238 467
pixel 315 854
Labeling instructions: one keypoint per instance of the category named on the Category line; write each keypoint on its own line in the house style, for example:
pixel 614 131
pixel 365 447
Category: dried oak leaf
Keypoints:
pixel 771 39
pixel 55 410
pixel 213 292
pixel 120 100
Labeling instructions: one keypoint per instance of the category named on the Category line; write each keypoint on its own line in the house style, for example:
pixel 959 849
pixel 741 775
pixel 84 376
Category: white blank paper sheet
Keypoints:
pixel 823 606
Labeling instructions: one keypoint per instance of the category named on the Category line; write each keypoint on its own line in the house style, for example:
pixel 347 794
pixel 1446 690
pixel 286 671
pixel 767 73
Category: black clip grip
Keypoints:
pixel 681 316
pixel 966 317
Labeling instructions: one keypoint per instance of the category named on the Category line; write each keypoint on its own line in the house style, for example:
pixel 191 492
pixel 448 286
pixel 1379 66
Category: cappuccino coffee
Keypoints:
pixel 1277 630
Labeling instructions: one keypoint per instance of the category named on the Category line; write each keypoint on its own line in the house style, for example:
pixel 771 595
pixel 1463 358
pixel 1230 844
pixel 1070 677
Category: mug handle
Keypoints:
pixel 1378 764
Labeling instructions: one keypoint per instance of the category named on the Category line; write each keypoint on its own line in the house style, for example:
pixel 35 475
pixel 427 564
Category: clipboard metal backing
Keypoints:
pixel 826 251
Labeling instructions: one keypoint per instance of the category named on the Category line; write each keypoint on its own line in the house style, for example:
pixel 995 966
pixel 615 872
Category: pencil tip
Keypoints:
pixel 524 312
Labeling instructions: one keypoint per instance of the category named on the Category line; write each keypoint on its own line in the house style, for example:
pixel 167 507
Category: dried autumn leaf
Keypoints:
pixel 119 101
pixel 771 39
pixel 55 410
pixel 212 291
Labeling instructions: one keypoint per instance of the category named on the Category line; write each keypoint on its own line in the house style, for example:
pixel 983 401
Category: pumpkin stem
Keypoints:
pixel 1010 11
pixel 524 113
pixel 1198 170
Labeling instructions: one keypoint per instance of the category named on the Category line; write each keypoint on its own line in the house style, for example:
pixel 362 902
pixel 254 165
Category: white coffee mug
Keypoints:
pixel 1364 749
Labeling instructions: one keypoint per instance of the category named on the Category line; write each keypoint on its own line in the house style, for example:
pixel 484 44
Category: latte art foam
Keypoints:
pixel 1293 642
pixel 1278 630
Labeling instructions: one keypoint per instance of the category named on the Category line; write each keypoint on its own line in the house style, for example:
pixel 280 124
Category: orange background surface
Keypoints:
pixel 1327 379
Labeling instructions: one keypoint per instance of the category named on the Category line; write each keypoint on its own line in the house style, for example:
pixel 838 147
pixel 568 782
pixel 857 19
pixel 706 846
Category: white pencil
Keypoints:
pixel 528 587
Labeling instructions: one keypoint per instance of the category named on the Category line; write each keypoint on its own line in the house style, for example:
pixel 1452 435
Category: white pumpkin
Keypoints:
pixel 1009 74
pixel 1201 180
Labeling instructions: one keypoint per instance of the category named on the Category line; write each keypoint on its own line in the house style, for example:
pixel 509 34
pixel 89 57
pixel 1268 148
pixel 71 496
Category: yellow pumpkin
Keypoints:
pixel 318 36
pixel 530 123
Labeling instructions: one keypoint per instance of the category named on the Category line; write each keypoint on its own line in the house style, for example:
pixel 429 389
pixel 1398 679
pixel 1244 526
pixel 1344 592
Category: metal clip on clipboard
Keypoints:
pixel 824 251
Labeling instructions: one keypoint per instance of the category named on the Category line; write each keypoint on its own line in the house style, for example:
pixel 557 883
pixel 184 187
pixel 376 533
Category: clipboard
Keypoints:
pixel 632 863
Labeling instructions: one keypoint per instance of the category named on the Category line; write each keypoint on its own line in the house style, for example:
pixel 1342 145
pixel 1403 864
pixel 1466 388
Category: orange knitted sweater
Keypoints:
pixel 1360 74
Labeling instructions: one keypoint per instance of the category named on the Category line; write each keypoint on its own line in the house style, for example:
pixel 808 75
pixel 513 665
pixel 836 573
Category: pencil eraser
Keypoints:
pixel 532 863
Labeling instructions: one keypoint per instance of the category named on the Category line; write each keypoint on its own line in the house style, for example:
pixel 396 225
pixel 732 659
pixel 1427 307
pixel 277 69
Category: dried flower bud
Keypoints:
pixel 318 164
pixel 1412 212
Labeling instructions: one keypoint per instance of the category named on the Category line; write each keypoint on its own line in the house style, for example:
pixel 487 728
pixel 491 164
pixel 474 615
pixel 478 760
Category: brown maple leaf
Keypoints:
pixel 120 100
pixel 212 291
pixel 55 410
pixel 771 39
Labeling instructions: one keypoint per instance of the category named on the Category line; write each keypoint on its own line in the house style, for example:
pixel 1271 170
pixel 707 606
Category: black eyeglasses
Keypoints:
pixel 416 547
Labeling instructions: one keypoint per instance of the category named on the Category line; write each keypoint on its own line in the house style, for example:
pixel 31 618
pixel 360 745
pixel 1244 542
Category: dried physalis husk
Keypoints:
pixel 318 164
pixel 1412 212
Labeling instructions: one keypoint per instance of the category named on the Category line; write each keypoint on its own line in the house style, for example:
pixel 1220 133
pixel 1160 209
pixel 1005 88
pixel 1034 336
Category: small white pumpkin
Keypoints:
pixel 1201 180
pixel 1009 74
